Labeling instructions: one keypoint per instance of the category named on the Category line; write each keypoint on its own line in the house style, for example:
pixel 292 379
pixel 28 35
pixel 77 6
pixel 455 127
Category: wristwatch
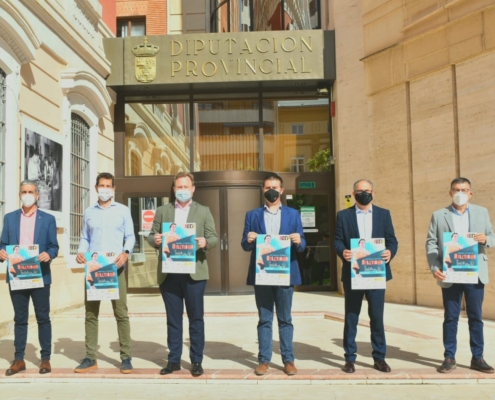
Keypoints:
pixel 126 252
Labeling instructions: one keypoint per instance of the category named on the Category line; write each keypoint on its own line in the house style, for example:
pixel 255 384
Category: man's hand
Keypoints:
pixel 121 259
pixel 158 239
pixel 44 257
pixel 386 256
pixel 3 255
pixel 252 237
pixel 439 275
pixel 480 238
pixel 347 254
pixel 80 259
pixel 201 242
pixel 296 238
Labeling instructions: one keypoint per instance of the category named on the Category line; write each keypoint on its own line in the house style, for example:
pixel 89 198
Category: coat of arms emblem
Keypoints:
pixel 145 61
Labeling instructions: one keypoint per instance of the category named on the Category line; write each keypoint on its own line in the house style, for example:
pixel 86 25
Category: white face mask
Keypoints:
pixel 460 198
pixel 105 194
pixel 28 200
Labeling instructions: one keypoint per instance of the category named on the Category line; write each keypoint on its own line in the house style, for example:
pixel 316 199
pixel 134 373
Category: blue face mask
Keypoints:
pixel 183 195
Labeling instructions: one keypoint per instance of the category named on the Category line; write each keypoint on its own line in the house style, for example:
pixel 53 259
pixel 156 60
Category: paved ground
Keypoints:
pixel 413 337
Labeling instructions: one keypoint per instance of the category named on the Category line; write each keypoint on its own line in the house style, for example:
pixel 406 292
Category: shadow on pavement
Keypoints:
pixel 7 352
pixel 76 350
pixel 145 350
pixel 229 351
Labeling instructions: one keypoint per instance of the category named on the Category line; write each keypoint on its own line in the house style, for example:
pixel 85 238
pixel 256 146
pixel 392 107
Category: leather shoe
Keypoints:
pixel 15 367
pixel 171 367
pixel 290 368
pixel 262 368
pixel 197 369
pixel 45 367
pixel 481 365
pixel 349 367
pixel 382 366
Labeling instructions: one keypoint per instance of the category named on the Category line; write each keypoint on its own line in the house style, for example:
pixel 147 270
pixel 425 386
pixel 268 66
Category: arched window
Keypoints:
pixel 79 178
pixel 3 132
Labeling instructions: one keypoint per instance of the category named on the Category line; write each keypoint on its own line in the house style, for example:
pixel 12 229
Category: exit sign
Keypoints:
pixel 307 185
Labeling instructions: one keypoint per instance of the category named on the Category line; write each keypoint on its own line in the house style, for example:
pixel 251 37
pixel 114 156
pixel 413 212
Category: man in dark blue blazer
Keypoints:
pixel 273 219
pixel 28 226
pixel 364 220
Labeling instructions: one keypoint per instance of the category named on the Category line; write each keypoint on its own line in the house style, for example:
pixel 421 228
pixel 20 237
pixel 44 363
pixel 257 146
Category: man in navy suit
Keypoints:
pixel 273 219
pixel 28 226
pixel 367 221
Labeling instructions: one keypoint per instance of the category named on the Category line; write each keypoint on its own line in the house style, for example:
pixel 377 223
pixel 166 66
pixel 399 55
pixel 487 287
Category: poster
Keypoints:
pixel 273 260
pixel 460 257
pixel 308 218
pixel 23 267
pixel 102 280
pixel 179 248
pixel 367 267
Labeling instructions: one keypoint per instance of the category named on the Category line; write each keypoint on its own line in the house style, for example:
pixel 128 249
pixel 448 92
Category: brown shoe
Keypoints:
pixel 262 369
pixel 15 367
pixel 290 368
pixel 349 367
pixel 381 366
pixel 45 367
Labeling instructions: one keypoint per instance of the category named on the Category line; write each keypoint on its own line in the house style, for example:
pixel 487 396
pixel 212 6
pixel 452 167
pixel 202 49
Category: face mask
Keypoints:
pixel 105 194
pixel 363 198
pixel 460 198
pixel 183 195
pixel 28 200
pixel 271 195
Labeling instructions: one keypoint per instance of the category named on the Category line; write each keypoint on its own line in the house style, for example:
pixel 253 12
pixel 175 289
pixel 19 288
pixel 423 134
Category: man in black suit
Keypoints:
pixel 367 221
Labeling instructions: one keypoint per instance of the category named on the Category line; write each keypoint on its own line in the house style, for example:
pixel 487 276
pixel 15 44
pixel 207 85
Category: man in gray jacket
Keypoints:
pixel 461 217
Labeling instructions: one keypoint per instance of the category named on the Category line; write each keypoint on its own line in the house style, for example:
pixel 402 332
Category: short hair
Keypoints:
pixel 173 224
pixel 16 247
pixel 272 177
pixel 184 175
pixel 268 236
pixel 361 180
pixel 105 175
pixel 29 182
pixel 94 254
pixel 326 234
pixel 455 233
pixel 460 180
pixel 362 240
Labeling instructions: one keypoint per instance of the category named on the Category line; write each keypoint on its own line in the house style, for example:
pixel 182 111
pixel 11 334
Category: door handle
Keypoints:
pixel 221 244
pixel 226 241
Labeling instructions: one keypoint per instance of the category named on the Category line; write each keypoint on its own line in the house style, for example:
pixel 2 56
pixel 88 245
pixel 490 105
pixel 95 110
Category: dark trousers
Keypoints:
pixel 41 303
pixel 376 305
pixel 176 290
pixel 452 299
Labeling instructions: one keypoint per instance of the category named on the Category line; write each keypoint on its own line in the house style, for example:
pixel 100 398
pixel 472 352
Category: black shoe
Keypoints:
pixel 481 365
pixel 349 367
pixel 382 366
pixel 448 365
pixel 171 367
pixel 197 369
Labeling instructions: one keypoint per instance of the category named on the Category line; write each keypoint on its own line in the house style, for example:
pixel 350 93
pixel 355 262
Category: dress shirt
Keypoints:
pixel 272 220
pixel 461 221
pixel 181 213
pixel 107 229
pixel 365 222
pixel 26 234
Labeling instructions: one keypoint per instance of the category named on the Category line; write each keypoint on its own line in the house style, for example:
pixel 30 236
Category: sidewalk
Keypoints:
pixel 414 337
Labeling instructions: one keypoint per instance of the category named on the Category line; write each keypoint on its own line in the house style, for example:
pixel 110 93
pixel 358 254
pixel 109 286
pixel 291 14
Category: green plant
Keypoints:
pixel 320 162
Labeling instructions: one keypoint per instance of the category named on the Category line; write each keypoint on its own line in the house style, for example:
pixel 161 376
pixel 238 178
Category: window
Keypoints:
pixel 131 27
pixel 297 164
pixel 135 164
pixel 79 178
pixel 297 129
pixel 3 131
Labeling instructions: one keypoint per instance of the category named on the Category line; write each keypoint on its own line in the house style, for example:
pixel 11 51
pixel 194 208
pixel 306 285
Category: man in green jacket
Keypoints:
pixel 177 288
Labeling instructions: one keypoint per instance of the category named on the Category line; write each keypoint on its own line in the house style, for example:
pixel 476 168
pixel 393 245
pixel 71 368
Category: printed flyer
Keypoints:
pixel 102 280
pixel 23 267
pixel 178 248
pixel 460 257
pixel 273 260
pixel 367 267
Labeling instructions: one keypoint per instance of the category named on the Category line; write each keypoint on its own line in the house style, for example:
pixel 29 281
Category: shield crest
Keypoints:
pixel 145 69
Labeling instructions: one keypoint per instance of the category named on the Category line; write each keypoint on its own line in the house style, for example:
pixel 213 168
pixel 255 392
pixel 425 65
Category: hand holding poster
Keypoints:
pixel 273 260
pixel 460 258
pixel 179 248
pixel 367 266
pixel 102 280
pixel 23 267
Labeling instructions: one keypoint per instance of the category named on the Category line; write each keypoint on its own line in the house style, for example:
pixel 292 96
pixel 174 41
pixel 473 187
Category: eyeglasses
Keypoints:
pixel 363 191
pixel 460 190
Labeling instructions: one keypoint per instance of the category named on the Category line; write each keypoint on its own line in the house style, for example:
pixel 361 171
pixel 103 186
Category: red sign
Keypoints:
pixel 147 218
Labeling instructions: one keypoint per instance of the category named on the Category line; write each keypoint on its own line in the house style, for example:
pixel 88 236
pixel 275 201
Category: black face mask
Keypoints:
pixel 272 195
pixel 363 198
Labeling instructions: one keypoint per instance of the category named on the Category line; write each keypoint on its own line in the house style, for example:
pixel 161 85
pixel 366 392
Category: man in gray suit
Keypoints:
pixel 461 217
pixel 178 289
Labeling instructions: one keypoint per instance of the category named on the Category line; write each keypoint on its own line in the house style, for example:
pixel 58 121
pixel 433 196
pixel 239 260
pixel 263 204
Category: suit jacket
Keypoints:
pixel 205 227
pixel 347 229
pixel 441 221
pixel 290 223
pixel 45 235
